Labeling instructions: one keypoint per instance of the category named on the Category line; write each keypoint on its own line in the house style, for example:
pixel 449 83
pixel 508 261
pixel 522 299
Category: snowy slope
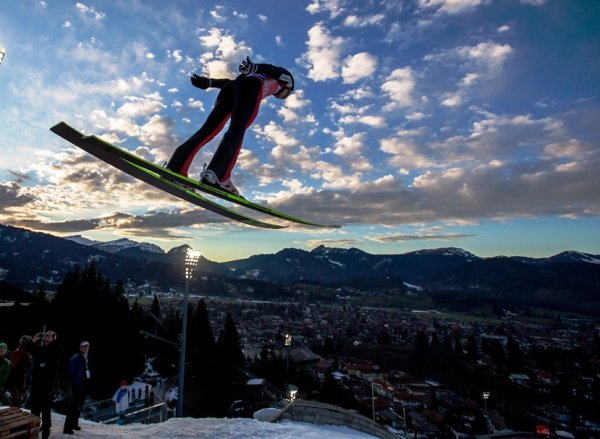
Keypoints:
pixel 206 428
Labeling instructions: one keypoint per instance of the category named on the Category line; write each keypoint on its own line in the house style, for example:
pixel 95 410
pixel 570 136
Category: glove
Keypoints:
pixel 200 82
pixel 247 66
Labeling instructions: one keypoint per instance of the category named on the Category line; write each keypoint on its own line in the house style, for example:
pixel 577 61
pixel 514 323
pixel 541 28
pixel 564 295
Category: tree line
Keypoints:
pixel 123 335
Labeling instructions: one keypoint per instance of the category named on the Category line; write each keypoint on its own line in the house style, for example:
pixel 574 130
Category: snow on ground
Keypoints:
pixel 206 428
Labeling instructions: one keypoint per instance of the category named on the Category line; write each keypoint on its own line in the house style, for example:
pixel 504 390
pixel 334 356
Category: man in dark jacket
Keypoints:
pixel 43 375
pixel 238 101
pixel 79 373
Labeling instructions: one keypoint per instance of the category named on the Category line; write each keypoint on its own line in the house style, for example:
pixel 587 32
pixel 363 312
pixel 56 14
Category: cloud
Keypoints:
pixel 404 237
pixel 217 12
pixel 323 54
pixel 176 55
pixel 359 66
pixel 349 145
pixel 534 2
pixel 451 6
pixel 11 197
pixel 488 54
pixel 285 145
pixel 356 21
pixel 160 224
pixel 90 11
pixel 100 119
pixel 399 87
pixel 141 106
pixel 292 105
pixel 404 154
pixel 372 121
pixel 454 99
pixel 482 63
pixel 334 7
pixel 225 53
pixel 157 132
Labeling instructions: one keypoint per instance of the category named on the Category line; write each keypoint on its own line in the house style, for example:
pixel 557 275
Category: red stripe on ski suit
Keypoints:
pixel 238 101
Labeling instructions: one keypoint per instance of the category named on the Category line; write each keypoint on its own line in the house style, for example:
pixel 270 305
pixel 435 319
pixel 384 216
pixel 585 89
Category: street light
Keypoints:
pixel 191 261
pixel 287 342
pixel 486 396
pixel 2 53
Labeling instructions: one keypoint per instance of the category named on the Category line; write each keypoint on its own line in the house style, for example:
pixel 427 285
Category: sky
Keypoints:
pixel 207 428
pixel 415 123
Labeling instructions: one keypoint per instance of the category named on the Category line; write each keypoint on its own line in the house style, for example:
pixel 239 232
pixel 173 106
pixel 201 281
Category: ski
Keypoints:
pixel 67 132
pixel 89 145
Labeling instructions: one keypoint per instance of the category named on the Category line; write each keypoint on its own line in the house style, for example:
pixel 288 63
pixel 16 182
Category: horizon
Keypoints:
pixel 415 124
pixel 166 250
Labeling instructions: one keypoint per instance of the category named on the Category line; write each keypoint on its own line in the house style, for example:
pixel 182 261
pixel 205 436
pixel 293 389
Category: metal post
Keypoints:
pixel 380 387
pixel 486 396
pixel 373 401
pixel 191 260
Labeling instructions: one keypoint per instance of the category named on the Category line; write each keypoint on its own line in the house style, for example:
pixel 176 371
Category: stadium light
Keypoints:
pixel 191 262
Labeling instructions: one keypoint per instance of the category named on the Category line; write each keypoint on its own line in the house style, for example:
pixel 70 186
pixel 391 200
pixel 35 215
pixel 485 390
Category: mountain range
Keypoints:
pixel 31 259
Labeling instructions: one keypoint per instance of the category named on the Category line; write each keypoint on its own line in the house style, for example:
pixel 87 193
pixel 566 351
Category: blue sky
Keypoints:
pixel 416 124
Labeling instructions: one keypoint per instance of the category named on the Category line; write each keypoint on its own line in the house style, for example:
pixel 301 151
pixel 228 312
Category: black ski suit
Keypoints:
pixel 238 100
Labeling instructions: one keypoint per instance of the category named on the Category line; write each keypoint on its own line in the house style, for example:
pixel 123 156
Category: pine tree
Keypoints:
pixel 229 358
pixel 202 346
pixel 87 307
pixel 229 344
pixel 155 307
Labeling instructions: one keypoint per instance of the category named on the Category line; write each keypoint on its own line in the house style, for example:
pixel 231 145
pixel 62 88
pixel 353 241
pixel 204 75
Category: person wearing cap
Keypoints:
pixel 79 374
pixel 121 399
pixel 4 371
pixel 238 101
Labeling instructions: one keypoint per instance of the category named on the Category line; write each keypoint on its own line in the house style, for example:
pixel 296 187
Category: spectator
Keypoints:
pixel 121 402
pixel 239 409
pixel 19 371
pixel 79 373
pixel 4 372
pixel 43 376
pixel 151 397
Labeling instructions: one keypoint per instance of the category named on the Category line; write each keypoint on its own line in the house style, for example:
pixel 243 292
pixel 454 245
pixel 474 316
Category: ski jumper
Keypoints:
pixel 238 101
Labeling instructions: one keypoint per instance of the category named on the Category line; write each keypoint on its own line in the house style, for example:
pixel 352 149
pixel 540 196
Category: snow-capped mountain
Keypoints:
pixel 447 251
pixel 563 257
pixel 29 259
pixel 338 266
pixel 118 245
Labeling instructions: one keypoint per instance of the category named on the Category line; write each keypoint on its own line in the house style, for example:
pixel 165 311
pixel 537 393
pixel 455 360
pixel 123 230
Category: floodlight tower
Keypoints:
pixel 191 262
